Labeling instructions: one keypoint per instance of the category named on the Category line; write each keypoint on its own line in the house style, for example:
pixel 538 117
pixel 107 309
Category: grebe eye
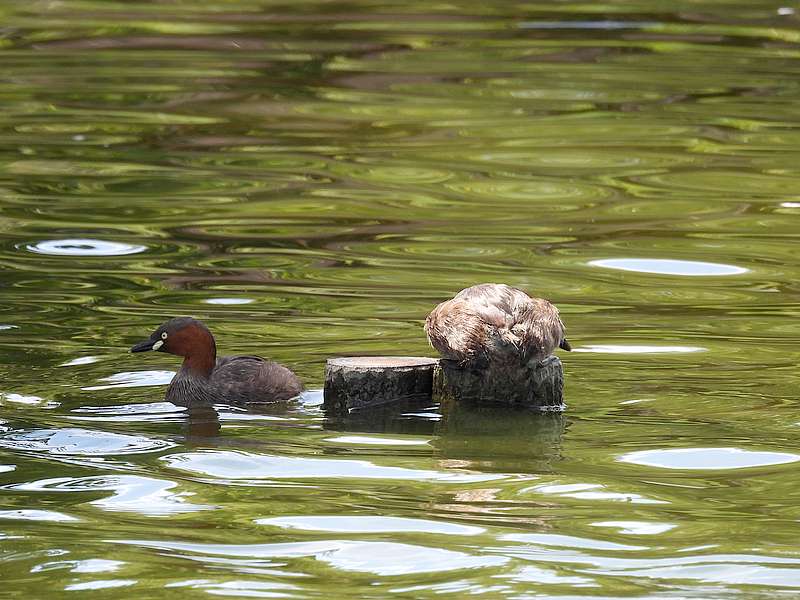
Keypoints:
pixel 164 335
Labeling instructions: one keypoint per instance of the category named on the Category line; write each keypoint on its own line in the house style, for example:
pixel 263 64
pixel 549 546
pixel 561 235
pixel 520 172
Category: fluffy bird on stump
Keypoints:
pixel 493 338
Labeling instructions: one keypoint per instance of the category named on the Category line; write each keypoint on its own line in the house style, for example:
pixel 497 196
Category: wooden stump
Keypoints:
pixel 540 387
pixel 362 382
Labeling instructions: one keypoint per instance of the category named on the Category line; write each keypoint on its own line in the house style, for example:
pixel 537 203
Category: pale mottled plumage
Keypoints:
pixel 494 324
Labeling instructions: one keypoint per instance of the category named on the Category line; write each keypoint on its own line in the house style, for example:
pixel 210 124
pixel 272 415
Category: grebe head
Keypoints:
pixel 183 336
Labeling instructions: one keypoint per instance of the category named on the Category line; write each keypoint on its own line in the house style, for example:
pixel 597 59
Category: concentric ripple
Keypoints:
pixel 83 442
pixel 84 247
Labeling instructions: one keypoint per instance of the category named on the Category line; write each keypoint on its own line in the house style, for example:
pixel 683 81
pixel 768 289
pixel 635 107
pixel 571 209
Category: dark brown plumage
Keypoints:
pixel 493 325
pixel 204 379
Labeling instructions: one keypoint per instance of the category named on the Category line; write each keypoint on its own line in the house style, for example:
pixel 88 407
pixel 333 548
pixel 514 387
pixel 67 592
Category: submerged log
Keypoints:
pixel 365 382
pixel 540 387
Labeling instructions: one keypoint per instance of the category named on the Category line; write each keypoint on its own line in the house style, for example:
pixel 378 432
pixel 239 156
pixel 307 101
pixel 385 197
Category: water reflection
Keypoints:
pixel 369 524
pixel 27 514
pixel 239 587
pixel 663 266
pixel 248 467
pixel 708 458
pixel 467 432
pixel 81 360
pixel 133 379
pixel 83 442
pixel 591 491
pixel 637 527
pixel 379 558
pixel 160 412
pixel 89 565
pixel 495 435
pixel 202 423
pixel 709 568
pixel 636 349
pixel 341 170
pixel 129 493
pixel 15 398
pixel 229 301
pixel 100 584
pixel 549 539
pixel 84 247
pixel 377 441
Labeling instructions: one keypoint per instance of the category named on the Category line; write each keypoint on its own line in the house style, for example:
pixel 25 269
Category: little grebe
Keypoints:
pixel 204 379
pixel 493 325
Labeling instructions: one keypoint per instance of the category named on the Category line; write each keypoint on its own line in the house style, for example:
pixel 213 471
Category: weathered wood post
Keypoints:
pixel 357 383
pixel 540 387
pixel 362 382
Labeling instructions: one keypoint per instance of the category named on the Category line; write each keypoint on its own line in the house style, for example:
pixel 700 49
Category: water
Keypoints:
pixel 311 179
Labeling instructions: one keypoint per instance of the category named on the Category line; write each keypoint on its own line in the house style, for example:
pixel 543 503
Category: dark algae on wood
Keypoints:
pixel 540 386
pixel 355 384
pixel 361 382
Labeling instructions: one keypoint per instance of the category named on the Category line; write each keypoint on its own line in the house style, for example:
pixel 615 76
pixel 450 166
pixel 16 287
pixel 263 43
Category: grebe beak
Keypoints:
pixel 147 345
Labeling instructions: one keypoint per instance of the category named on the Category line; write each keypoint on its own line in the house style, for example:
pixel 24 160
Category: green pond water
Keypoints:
pixel 311 178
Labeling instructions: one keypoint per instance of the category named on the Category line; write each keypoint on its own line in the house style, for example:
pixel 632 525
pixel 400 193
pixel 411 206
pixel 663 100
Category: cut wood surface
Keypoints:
pixel 360 382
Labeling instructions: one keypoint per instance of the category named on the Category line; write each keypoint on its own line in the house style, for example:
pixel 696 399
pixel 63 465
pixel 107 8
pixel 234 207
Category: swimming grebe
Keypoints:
pixel 496 326
pixel 204 379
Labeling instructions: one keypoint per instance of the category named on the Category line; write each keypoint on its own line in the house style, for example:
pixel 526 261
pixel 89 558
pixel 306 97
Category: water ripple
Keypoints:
pixel 130 493
pixel 592 491
pixel 637 527
pixel 633 349
pixel 84 247
pixel 127 379
pixel 568 541
pixel 377 441
pixel 707 458
pixel 83 442
pixel 100 584
pixel 663 266
pixel 35 515
pixel 379 558
pixel 233 466
pixel 369 524
pixel 89 565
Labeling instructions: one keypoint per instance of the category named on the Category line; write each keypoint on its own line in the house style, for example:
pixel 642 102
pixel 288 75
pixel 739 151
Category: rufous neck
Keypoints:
pixel 201 361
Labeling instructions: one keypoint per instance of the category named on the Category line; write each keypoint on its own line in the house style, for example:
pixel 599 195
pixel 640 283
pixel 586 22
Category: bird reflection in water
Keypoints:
pixel 202 422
